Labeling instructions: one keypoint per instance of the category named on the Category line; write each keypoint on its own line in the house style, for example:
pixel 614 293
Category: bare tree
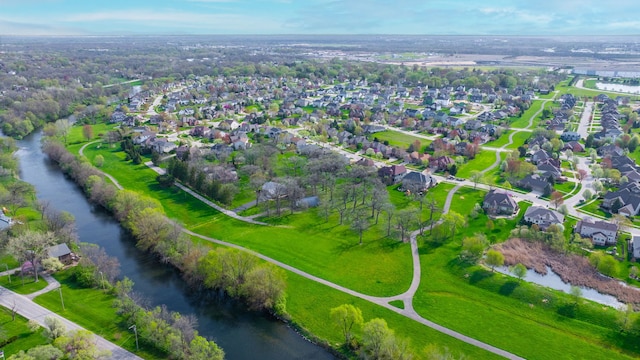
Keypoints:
pixel 31 246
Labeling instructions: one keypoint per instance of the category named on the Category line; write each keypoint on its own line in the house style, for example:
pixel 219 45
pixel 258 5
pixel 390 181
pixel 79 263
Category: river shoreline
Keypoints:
pixel 221 317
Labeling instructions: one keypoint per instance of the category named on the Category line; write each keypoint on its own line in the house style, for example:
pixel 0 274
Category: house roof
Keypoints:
pixel 543 214
pixel 59 250
pixel 598 224
pixel 497 198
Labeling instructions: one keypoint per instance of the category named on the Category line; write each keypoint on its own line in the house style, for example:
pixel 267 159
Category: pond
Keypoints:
pixel 553 281
pixel 630 89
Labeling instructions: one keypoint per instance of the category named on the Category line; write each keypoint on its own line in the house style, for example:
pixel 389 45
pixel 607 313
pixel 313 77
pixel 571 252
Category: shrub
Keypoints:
pixel 52 264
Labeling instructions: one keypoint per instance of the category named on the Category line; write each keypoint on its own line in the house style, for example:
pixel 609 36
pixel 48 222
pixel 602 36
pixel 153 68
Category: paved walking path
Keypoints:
pixel 113 180
pixel 25 307
pixel 229 213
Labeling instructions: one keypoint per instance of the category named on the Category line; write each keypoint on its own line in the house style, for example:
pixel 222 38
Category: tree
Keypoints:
pixel 582 174
pixel 519 271
pixel 374 334
pixel 31 246
pixel 473 247
pixel 346 316
pixel 201 349
pixel 42 352
pixel 494 258
pixel 17 194
pixel 576 294
pixel 264 287
pixel 405 218
pixel 556 199
pixel 62 128
pixel 98 161
pixel 87 132
pixel 475 177
pixel 360 222
pixel 453 221
pixel 80 344
pixel 54 328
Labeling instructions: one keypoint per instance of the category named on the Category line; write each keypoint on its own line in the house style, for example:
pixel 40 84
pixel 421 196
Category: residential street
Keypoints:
pixel 30 310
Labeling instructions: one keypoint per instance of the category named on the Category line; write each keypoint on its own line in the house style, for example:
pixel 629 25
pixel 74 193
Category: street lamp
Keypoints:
pixel 135 331
pixel 61 301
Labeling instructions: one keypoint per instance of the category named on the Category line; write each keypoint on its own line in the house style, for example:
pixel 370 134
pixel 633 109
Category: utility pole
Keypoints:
pixel 61 300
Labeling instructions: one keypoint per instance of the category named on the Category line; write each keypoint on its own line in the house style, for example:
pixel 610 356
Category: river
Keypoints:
pixel 242 334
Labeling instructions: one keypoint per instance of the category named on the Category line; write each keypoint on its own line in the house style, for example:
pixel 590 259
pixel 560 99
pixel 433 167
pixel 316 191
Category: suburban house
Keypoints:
pixel 625 201
pixel 499 203
pixel 536 183
pixel 543 217
pixel 418 181
pixel 60 252
pixel 392 174
pixel 602 233
pixel 570 136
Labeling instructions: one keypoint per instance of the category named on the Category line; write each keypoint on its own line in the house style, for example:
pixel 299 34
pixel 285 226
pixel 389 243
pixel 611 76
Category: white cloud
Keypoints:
pixel 180 21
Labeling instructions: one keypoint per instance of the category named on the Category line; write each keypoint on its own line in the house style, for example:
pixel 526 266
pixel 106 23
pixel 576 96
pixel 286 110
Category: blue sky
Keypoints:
pixel 429 17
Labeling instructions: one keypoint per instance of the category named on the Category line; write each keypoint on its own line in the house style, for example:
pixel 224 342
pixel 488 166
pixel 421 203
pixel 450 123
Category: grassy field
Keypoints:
pixel 451 294
pixel 25 339
pixel 93 309
pixel 20 285
pixel 518 139
pixel 462 297
pixel 523 121
pixel 303 240
pixel 309 304
pixel 483 160
pixel 399 139
pixel 503 140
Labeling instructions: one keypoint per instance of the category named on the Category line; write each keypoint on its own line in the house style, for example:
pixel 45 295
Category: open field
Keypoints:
pixel 483 160
pixel 399 139
pixel 303 240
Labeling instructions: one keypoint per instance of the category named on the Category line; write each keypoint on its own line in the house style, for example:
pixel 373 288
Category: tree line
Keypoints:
pixel 260 285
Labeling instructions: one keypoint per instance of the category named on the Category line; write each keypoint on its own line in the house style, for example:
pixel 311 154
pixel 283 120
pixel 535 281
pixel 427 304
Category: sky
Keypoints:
pixel 415 17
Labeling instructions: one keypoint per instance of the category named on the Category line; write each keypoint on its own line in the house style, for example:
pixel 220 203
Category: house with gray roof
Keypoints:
pixel 543 217
pixel 499 203
pixel 602 233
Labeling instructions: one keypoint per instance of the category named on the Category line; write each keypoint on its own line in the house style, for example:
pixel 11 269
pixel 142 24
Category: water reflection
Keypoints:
pixel 553 281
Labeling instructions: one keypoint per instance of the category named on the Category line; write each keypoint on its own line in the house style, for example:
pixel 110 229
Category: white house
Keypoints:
pixel 602 233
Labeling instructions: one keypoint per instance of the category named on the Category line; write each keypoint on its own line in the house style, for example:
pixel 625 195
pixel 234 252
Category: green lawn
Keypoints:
pixel 382 267
pixel 462 297
pixel 399 139
pixel 523 121
pixel 518 139
pixel 25 339
pixel 93 309
pixel 483 160
pixel 17 285
pixel 305 240
pixel 503 140
pixel 309 304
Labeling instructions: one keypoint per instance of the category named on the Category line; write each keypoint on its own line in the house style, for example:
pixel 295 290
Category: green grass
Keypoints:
pixel 523 121
pixel 76 133
pixel 594 208
pixel 461 297
pixel 18 328
pixel 565 187
pixel 304 240
pixel 16 284
pixel 503 140
pixel 518 139
pixel 399 139
pixel 92 309
pixel 483 160
pixel 309 303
